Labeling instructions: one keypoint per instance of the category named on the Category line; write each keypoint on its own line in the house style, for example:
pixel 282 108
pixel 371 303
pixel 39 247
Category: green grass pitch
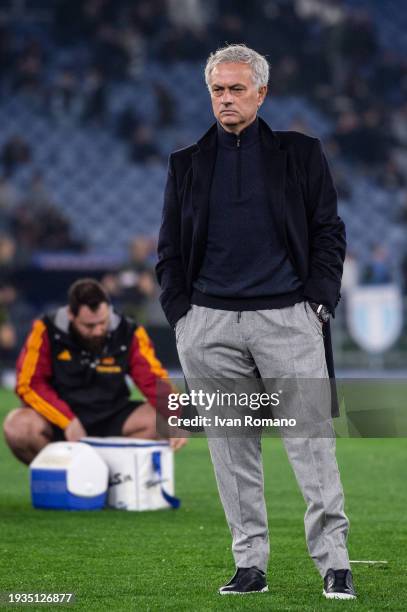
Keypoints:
pixel 175 560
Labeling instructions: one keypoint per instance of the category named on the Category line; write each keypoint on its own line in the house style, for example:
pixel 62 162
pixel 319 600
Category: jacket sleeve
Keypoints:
pixel 34 372
pixel 170 273
pixel 148 374
pixel 327 237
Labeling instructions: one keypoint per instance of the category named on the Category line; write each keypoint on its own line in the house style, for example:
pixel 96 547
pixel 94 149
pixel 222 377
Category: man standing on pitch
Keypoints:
pixel 250 262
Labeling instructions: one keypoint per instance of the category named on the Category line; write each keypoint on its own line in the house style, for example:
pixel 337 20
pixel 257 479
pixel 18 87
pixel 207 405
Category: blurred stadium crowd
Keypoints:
pixel 94 94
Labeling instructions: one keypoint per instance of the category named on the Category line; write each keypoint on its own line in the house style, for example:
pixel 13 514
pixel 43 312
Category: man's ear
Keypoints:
pixel 70 314
pixel 262 93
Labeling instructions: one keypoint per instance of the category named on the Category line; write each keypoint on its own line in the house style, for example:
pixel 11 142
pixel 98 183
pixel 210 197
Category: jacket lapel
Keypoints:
pixel 203 164
pixel 275 167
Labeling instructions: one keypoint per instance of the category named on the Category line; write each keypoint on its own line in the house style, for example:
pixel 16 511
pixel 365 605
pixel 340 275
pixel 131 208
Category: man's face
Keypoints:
pixel 90 326
pixel 235 97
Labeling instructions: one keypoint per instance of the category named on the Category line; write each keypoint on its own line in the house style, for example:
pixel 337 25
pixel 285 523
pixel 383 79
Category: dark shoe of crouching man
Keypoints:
pixel 250 259
pixel 71 377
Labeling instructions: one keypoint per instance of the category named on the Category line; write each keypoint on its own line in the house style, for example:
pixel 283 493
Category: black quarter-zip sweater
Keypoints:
pixel 246 265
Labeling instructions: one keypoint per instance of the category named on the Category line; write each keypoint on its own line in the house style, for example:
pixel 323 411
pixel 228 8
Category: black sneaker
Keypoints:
pixel 338 584
pixel 246 580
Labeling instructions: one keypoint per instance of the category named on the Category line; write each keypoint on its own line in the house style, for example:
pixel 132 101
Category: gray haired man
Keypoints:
pixel 250 254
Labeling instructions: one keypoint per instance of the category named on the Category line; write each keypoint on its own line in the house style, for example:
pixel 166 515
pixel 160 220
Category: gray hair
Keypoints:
pixel 239 54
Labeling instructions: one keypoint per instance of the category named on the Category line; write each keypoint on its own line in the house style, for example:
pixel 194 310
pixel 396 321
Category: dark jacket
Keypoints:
pixel 304 198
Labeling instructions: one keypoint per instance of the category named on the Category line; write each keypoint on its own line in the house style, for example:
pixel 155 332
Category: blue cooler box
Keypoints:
pixel 68 476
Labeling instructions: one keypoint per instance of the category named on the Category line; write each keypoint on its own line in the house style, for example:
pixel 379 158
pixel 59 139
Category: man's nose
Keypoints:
pixel 227 97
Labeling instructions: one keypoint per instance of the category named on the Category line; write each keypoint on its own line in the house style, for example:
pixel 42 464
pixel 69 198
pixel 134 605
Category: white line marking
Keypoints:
pixel 369 562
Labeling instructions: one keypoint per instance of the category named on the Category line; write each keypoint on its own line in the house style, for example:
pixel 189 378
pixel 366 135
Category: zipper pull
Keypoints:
pixel 238 141
pixel 239 316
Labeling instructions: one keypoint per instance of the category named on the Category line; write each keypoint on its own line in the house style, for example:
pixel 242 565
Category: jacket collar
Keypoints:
pixel 267 136
pixel 246 138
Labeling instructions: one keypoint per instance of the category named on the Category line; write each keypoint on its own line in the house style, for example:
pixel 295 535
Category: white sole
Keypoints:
pixel 263 590
pixel 338 595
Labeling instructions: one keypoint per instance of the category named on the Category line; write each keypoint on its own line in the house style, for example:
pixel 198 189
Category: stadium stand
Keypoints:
pixel 94 96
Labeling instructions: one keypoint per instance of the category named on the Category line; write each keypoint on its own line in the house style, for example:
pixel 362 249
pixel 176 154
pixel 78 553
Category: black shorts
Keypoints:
pixel 109 426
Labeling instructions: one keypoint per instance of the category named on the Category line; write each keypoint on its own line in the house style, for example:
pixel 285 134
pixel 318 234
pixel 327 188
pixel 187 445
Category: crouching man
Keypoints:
pixel 71 377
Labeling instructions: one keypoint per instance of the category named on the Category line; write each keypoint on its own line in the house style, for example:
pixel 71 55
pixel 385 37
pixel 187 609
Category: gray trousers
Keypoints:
pixel 284 343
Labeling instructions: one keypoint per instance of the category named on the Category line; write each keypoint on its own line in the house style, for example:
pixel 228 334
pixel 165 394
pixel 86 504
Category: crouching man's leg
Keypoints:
pixel 26 433
pixel 141 423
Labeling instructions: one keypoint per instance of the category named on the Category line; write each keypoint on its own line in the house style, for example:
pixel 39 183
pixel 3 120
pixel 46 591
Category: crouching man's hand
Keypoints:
pixel 177 443
pixel 75 431
pixel 177 438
